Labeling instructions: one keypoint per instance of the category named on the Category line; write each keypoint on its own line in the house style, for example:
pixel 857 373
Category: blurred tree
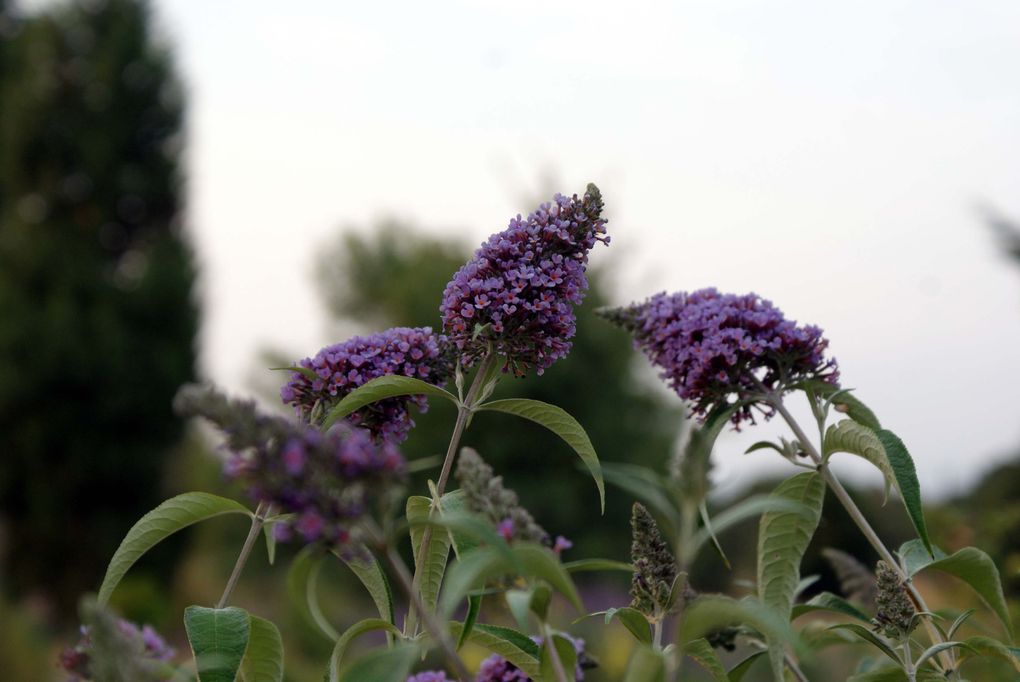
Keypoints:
pixel 395 276
pixel 97 317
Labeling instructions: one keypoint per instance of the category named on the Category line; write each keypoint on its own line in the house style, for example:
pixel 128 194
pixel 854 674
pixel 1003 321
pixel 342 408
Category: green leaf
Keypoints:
pixel 783 538
pixel 302 587
pixel 563 425
pixel 915 556
pixel 712 612
pixel 856 439
pixel 349 635
pixel 645 665
pixel 827 601
pixel 633 620
pixel 519 603
pixel 960 620
pixel 380 388
pixel 748 508
pixel 738 671
pixel 763 445
pixel 218 639
pixel 474 607
pixel 263 659
pixel 977 569
pixel 565 652
pixel 845 402
pixel 881 675
pixel 986 647
pixel 383 665
pixel 706 527
pixel 702 652
pixel 541 562
pixel 307 372
pixel 367 569
pixel 430 568
pixel 267 530
pixel 163 521
pixel 934 650
pixel 869 637
pixel 512 645
pixel 646 485
pixel 906 481
pixel 598 565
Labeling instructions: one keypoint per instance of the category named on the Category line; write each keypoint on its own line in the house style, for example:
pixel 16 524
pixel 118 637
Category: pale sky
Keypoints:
pixel 829 156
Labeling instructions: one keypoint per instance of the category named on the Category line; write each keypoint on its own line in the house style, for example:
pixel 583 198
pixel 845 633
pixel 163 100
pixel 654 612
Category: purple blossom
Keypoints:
pixel 327 480
pixel 519 290
pixel 712 347
pixel 561 545
pixel 429 676
pixel 343 367
pixel 144 643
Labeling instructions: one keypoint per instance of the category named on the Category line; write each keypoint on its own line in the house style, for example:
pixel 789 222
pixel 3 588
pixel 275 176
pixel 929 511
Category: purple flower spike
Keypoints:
pixel 519 291
pixel 712 347
pixel 495 668
pixel 327 480
pixel 413 352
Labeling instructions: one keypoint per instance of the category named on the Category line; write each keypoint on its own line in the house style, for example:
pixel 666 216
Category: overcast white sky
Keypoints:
pixel 829 156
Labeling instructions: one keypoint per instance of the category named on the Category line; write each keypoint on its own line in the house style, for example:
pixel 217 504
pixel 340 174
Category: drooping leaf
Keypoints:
pixel 367 569
pixel 382 665
pixel 633 620
pixel 986 647
pixel 582 565
pixel 783 538
pixel 702 652
pixel 431 567
pixel 218 639
pixel 263 659
pixel 646 665
pixel 302 588
pixel 706 527
pixel 380 388
pixel 868 636
pixel 268 530
pixel 563 425
pixel 906 481
pixel 763 445
pixel 512 645
pixel 348 636
pixel 738 671
pixel 474 607
pixel 975 568
pixel 565 653
pixel 827 601
pixel 743 510
pixel 856 439
pixel 163 521
pixel 708 613
pixel 646 485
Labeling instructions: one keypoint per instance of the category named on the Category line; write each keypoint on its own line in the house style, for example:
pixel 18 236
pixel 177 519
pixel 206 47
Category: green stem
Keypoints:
pixel 858 518
pixel 261 512
pixel 432 626
pixel 657 634
pixel 464 411
pixel 554 654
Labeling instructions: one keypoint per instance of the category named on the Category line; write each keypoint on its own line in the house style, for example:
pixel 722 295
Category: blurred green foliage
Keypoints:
pixel 97 316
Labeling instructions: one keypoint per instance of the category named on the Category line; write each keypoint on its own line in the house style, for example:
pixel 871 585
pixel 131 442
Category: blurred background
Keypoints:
pixel 195 190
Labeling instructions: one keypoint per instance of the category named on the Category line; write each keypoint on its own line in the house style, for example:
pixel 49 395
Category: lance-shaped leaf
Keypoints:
pixel 380 388
pixel 263 659
pixel 633 620
pixel 474 608
pixel 986 647
pixel 383 665
pixel 218 638
pixel 738 671
pixel 970 565
pixel 856 439
pixel 646 665
pixel 582 565
pixel 302 587
pixel 163 521
pixel 906 481
pixel 868 636
pixel 712 612
pixel 844 401
pixel 431 567
pixel 348 636
pixel 563 425
pixel 745 509
pixel 648 486
pixel 367 569
pixel 565 654
pixel 512 645
pixel 827 601
pixel 702 652
pixel 783 537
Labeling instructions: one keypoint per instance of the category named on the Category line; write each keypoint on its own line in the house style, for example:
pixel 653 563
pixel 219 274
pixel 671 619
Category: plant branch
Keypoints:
pixel 257 521
pixel 554 654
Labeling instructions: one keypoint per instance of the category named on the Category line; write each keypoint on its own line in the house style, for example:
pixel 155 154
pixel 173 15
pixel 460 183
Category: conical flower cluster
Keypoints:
pixel 895 612
pixel 655 568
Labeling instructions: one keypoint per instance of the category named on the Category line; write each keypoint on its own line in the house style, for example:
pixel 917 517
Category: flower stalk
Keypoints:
pixel 257 521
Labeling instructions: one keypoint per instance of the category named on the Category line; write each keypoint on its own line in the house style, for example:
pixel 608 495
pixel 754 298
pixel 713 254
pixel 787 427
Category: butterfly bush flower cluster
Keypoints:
pixel 517 294
pixel 712 346
pixel 327 480
pixel 429 676
pixel 339 369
